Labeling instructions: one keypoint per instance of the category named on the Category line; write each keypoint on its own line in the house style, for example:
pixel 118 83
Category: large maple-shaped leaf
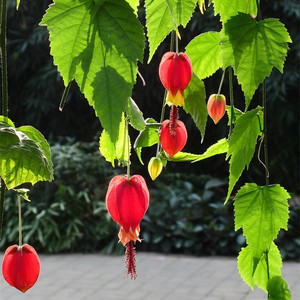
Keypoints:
pixel 254 272
pixel 261 211
pixel 253 49
pixel 24 155
pixel 205 54
pixel 164 16
pixel 230 8
pixel 195 103
pixel 242 145
pixel 98 44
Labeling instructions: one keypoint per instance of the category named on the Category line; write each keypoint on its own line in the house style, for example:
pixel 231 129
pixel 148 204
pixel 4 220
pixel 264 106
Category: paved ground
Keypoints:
pixel 171 277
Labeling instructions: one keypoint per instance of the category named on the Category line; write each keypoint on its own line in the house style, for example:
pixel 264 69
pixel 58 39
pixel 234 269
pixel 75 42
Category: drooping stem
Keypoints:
pixel 177 47
pixel 221 83
pixel 264 96
pixel 4 58
pixel 232 119
pixel 127 140
pixel 4 106
pixel 2 205
pixel 20 221
pixel 64 96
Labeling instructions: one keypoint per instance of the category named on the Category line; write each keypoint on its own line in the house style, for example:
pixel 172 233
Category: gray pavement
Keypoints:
pixel 168 277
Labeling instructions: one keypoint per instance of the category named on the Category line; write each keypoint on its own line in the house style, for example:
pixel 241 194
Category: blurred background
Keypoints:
pixel 186 213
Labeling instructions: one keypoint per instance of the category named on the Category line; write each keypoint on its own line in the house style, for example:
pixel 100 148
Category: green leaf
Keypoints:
pixel 205 54
pixel 22 193
pixel 161 16
pixel 278 289
pixel 242 145
pixel 7 121
pixel 230 8
pixel 116 150
pixel 219 148
pixel 135 116
pixel 195 103
pixel 24 156
pixel 259 277
pixel 237 114
pixel 261 211
pixel 98 45
pixel 134 4
pixel 253 48
pixel 146 138
pixel 37 137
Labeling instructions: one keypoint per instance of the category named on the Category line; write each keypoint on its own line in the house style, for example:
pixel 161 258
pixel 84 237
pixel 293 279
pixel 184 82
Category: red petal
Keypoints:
pixel 175 71
pixel 21 267
pixel 172 144
pixel 127 201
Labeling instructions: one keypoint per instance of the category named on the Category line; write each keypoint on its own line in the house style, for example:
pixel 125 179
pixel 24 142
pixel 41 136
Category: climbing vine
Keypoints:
pixel 98 43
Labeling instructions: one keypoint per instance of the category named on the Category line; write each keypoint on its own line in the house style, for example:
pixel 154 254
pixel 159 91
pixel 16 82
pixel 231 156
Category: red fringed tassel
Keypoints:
pixel 130 260
pixel 173 120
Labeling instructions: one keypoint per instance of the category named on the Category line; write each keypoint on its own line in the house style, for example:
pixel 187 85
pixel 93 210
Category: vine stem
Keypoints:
pixel 231 101
pixel 64 96
pixel 20 221
pixel 221 83
pixel 127 134
pixel 4 107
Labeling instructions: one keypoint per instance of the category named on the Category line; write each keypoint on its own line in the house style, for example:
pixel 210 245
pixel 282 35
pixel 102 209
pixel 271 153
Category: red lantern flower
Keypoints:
pixel 216 106
pixel 175 72
pixel 173 136
pixel 127 202
pixel 21 266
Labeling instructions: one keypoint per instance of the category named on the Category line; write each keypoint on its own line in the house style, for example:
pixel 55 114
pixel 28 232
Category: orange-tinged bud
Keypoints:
pixel 175 72
pixel 155 167
pixel 216 106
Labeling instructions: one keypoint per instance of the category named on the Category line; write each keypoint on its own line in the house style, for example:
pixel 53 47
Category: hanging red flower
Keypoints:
pixel 175 72
pixel 173 136
pixel 216 106
pixel 127 202
pixel 21 266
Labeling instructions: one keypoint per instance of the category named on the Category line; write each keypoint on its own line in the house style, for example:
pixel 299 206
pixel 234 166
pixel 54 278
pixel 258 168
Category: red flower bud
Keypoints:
pixel 172 138
pixel 127 202
pixel 216 106
pixel 175 72
pixel 21 266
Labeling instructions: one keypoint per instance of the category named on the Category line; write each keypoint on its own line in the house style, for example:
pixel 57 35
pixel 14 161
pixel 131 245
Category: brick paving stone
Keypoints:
pixel 160 277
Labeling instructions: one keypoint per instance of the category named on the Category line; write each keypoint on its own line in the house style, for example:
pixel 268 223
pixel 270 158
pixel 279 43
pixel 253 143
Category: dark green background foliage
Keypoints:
pixel 186 214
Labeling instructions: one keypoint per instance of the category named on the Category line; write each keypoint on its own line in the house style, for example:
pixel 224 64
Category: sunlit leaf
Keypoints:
pixel 24 156
pixel 246 265
pixel 261 211
pixel 253 48
pixel 161 16
pixel 195 103
pixel 230 8
pixel 98 44
pixel 242 145
pixel 219 148
pixel 146 138
pixel 120 149
pixel 135 116
pixel 205 54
